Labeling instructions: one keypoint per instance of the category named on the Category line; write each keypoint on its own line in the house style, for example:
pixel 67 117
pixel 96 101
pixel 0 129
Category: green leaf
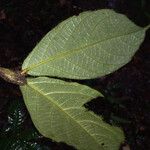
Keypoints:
pixel 11 143
pixel 90 45
pixel 16 117
pixel 56 109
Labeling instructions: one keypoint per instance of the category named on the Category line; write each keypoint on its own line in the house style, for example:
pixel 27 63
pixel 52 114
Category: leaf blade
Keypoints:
pixel 90 45
pixel 60 116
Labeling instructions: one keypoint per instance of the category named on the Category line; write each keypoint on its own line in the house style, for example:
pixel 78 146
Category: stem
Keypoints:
pixel 15 77
pixel 23 72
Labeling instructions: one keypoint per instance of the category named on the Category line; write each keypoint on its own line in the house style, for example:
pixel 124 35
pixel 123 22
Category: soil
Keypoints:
pixel 127 91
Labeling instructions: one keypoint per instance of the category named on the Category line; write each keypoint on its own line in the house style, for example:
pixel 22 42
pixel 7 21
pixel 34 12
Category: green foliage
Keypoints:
pixel 56 110
pixel 90 45
pixel 16 117
pixel 14 136
pixel 7 143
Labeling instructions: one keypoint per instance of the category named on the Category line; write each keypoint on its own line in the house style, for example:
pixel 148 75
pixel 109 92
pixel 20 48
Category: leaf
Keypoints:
pixel 90 45
pixel 11 143
pixel 16 117
pixel 56 109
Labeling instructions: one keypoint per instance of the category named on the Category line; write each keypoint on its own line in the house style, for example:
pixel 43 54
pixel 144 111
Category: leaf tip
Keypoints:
pixel 147 27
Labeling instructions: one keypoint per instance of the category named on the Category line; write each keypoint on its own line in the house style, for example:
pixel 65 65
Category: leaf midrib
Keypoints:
pixel 71 52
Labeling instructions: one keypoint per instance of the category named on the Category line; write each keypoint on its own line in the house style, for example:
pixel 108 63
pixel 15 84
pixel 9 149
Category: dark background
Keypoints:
pixel 127 91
